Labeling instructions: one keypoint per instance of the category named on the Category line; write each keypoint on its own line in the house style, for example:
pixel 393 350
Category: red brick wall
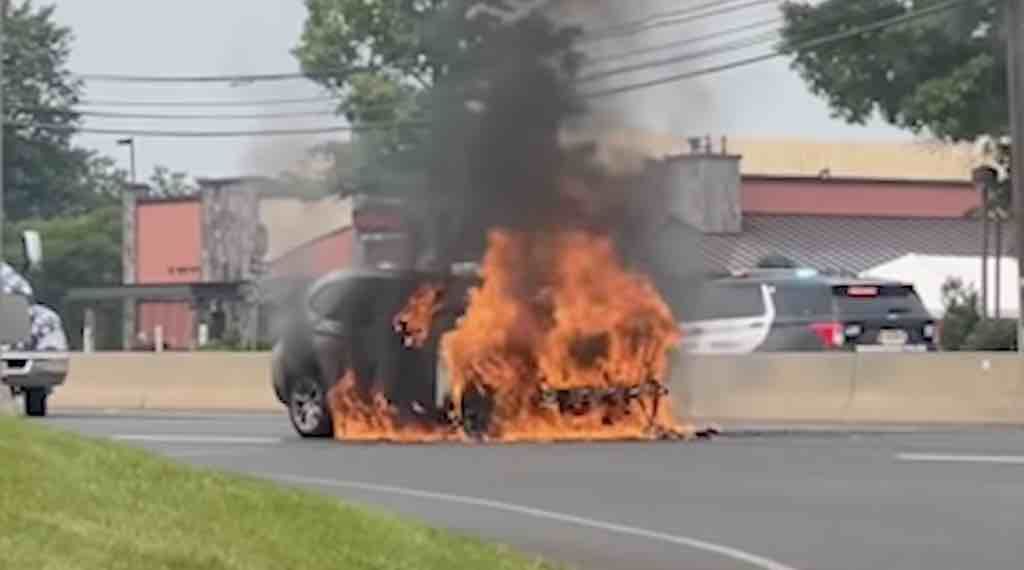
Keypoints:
pixel 176 318
pixel 168 242
pixel 905 199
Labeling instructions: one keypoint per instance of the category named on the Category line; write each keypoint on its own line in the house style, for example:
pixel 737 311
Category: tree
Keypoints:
pixel 166 184
pixel 943 74
pixel 400 64
pixel 44 173
pixel 961 314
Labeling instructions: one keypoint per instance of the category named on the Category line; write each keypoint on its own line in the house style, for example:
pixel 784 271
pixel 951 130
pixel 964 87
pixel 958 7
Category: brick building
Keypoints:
pixel 212 266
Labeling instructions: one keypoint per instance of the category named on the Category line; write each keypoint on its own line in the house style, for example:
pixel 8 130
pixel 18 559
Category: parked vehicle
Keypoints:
pixel 802 310
pixel 33 343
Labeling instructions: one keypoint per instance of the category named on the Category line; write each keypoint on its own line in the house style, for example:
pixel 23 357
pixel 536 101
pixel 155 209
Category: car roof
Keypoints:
pixel 378 273
pixel 779 276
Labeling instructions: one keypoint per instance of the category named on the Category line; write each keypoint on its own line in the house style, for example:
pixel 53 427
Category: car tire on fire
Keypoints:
pixel 307 407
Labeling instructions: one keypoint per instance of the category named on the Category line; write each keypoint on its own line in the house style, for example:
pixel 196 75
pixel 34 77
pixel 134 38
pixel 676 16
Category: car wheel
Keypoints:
pixel 477 408
pixel 35 402
pixel 308 409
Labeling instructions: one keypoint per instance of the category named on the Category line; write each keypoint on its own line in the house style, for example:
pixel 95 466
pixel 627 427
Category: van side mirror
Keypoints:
pixel 32 244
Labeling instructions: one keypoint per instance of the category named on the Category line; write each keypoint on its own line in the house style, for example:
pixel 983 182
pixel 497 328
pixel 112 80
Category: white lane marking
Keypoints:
pixel 722 550
pixel 952 458
pixel 202 439
pixel 197 453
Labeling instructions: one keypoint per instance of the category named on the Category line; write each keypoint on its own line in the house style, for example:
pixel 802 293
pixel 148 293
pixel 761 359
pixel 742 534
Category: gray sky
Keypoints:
pixel 158 37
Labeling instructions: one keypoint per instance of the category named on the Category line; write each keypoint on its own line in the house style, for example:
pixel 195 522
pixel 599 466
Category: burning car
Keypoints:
pixel 578 350
pixel 347 325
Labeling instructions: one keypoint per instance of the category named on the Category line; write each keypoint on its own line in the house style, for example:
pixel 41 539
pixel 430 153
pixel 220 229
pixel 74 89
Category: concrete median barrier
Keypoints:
pixel 938 388
pixel 787 387
pixel 168 381
pixel 944 388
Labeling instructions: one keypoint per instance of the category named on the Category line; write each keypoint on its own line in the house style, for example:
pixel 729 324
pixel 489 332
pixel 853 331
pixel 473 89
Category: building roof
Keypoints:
pixel 852 244
pixel 929 273
pixel 897 160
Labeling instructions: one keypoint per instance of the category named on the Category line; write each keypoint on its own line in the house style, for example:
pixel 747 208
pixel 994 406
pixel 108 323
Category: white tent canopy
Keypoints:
pixel 929 272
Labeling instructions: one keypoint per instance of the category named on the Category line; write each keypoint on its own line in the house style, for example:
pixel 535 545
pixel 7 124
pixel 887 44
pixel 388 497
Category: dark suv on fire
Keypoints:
pixel 796 310
pixel 345 322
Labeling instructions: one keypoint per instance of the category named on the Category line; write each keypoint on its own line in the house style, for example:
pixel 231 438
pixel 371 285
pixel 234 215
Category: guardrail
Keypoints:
pixel 884 388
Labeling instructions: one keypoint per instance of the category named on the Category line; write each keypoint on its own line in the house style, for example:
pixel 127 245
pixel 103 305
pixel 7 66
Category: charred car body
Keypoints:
pixel 347 323
pixel 350 325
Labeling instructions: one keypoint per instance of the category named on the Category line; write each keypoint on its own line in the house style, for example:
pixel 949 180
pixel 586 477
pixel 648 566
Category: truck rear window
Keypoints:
pixel 877 300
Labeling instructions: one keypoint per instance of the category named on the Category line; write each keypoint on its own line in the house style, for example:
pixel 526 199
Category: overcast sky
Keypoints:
pixel 197 37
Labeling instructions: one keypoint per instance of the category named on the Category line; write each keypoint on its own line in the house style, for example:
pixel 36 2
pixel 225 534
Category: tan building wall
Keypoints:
pixel 914 160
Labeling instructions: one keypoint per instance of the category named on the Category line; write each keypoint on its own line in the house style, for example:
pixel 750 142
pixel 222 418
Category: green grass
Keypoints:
pixel 69 502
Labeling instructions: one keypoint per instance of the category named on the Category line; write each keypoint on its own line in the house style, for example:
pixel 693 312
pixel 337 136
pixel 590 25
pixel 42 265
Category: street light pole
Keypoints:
pixel 130 143
pixel 1015 61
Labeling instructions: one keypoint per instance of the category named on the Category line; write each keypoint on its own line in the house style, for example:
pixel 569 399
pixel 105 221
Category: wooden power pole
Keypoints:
pixel 1015 52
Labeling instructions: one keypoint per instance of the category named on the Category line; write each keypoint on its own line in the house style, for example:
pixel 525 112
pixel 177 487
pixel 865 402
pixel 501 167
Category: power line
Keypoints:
pixel 767 37
pixel 675 18
pixel 824 40
pixel 208 103
pixel 200 116
pixel 222 134
pixel 234 79
pixel 671 18
pixel 683 42
pixel 831 38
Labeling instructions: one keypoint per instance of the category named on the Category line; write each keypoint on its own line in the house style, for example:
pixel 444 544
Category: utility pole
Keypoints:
pixel 3 21
pixel 1015 53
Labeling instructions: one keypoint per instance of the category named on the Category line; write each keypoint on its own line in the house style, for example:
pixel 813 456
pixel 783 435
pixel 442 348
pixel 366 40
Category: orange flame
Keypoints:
pixel 361 416
pixel 561 342
pixel 415 320
pixel 559 312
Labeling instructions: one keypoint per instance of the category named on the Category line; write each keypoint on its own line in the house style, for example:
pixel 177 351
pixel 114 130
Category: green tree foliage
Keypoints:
pixel 164 183
pixel 961 315
pixel 963 327
pixel 430 70
pixel 994 334
pixel 944 74
pixel 44 173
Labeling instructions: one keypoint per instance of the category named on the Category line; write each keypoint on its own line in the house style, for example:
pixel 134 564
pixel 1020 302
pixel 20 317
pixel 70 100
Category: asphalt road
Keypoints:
pixel 815 500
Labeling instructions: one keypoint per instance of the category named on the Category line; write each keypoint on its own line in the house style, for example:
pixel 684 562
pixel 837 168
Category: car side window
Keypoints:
pixel 329 301
pixel 728 301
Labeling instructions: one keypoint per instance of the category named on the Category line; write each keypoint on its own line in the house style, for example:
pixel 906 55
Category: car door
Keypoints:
pixel 728 318
pixel 331 323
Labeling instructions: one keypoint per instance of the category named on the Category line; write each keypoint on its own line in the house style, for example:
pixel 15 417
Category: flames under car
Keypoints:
pixel 351 327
